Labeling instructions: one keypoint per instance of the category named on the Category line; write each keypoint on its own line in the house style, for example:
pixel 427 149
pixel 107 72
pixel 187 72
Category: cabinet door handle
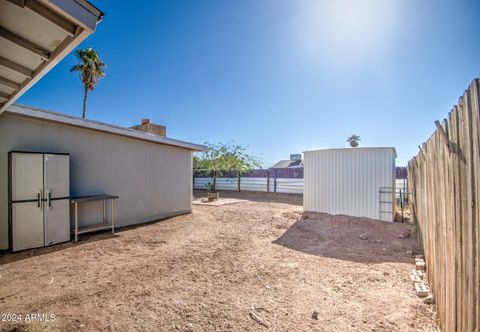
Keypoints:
pixel 40 198
pixel 49 198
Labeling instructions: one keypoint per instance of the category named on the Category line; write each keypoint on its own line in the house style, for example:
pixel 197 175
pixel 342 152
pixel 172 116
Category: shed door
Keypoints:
pixel 27 209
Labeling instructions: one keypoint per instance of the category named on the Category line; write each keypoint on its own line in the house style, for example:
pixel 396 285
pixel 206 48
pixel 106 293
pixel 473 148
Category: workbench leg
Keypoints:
pixel 113 216
pixel 76 222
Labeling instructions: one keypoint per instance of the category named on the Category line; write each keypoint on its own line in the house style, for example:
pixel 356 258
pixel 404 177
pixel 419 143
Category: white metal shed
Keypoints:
pixel 352 181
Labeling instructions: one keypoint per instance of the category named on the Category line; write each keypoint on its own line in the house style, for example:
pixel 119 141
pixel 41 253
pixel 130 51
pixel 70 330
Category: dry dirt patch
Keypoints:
pixel 251 266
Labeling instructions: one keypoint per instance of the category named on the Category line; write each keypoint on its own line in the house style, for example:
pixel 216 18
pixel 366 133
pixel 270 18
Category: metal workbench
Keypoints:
pixel 97 227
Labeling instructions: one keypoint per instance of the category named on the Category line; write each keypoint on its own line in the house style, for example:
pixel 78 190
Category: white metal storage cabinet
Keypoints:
pixel 352 181
pixel 39 203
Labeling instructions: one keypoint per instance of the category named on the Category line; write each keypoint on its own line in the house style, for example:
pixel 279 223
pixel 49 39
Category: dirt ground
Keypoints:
pixel 257 265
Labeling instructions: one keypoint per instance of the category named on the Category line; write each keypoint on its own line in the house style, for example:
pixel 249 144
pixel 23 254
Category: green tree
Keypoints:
pixel 91 69
pixel 220 158
pixel 198 164
pixel 213 161
pixel 353 140
pixel 238 160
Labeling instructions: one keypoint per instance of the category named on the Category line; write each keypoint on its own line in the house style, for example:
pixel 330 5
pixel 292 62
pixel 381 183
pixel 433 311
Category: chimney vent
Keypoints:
pixel 151 128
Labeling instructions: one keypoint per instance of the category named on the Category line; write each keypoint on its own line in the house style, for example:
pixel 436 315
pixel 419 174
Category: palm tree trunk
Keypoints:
pixel 238 181
pixel 85 93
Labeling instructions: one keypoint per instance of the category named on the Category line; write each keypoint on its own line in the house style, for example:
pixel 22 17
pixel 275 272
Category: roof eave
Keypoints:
pixel 83 16
pixel 43 70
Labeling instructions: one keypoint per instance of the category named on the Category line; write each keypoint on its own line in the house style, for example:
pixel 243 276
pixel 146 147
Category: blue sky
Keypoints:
pixel 278 76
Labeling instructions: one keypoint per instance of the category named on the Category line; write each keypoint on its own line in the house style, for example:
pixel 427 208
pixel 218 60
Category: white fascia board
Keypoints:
pixel 359 148
pixel 79 12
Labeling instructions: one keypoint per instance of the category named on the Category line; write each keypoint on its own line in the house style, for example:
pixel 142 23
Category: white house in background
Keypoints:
pixel 352 181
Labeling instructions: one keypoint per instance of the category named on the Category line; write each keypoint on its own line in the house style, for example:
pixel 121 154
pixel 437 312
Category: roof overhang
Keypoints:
pixel 42 115
pixel 359 148
pixel 34 36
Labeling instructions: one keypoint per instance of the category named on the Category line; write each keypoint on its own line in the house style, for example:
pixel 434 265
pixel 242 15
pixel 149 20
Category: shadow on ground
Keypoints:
pixel 355 239
pixel 293 199
pixel 9 257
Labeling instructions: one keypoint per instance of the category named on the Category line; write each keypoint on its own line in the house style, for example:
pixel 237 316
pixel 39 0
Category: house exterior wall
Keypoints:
pixel 348 181
pixel 153 180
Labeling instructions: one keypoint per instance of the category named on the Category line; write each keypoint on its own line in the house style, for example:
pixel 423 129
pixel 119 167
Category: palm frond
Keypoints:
pixel 90 67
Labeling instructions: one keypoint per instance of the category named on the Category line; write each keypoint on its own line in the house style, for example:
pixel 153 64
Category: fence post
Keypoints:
pixel 193 181
pixel 275 183
pixel 401 203
pixel 268 181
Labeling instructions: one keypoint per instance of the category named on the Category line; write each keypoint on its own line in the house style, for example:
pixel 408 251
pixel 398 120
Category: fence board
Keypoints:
pixel 476 153
pixel 474 166
pixel 450 306
pixel 444 179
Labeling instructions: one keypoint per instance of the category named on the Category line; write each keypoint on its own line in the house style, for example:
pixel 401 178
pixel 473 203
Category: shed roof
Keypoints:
pixel 34 36
pixel 359 148
pixel 32 112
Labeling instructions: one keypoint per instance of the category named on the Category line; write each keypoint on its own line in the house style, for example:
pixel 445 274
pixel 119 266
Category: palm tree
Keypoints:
pixel 353 140
pixel 91 69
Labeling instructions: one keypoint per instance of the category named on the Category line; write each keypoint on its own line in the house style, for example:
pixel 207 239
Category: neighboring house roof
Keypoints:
pixel 401 172
pixel 288 164
pixel 35 36
pixel 31 112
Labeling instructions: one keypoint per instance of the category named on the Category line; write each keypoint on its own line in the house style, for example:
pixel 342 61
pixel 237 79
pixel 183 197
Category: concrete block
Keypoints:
pixel 429 299
pixel 420 266
pixel 417 273
pixel 421 289
pixel 415 279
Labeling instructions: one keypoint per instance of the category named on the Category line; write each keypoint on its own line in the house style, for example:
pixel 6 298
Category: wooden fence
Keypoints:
pixel 444 179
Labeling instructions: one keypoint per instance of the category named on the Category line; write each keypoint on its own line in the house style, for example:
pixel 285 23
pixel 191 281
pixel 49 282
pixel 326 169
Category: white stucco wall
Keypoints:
pixel 153 180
